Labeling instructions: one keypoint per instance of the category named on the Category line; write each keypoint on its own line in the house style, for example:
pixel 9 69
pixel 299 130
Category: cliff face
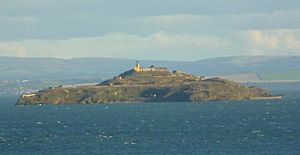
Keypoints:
pixel 150 86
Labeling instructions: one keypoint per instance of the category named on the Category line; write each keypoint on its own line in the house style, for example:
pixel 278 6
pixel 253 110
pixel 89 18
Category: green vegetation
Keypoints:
pixel 285 75
pixel 148 86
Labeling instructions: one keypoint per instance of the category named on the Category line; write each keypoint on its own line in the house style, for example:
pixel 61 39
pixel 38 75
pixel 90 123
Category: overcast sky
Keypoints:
pixel 149 29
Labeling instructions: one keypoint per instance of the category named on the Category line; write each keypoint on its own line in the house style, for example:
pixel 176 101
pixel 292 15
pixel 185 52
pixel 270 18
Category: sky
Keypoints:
pixel 149 29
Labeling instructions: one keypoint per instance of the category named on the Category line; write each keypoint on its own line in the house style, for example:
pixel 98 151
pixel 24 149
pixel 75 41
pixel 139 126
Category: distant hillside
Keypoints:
pixel 244 64
pixel 265 67
pixel 282 75
pixel 53 68
pixel 242 77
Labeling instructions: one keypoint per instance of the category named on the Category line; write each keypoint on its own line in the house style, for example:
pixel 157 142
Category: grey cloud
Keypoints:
pixel 144 7
pixel 197 28
pixel 161 45
pixel 88 25
pixel 256 21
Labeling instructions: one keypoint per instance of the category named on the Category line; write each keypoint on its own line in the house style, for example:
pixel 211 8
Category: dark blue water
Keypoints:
pixel 223 127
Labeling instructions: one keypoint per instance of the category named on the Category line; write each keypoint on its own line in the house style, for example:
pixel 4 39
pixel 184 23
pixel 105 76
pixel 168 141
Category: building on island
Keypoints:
pixel 138 68
pixel 28 95
pixel 177 71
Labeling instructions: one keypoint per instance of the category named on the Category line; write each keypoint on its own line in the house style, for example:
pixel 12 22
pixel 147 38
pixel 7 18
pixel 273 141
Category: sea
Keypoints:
pixel 181 128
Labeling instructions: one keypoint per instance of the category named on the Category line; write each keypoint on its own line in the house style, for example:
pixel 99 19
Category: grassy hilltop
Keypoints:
pixel 150 86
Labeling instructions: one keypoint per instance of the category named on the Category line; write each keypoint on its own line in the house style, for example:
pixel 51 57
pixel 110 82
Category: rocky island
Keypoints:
pixel 152 84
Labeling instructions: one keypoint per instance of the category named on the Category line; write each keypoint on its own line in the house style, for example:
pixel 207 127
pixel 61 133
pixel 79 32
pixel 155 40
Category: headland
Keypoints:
pixel 151 84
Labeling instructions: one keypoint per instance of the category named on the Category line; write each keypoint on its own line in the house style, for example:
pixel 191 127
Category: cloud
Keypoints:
pixel 12 49
pixel 245 21
pixel 145 7
pixel 260 39
pixel 283 41
pixel 159 45
pixel 53 19
pixel 19 19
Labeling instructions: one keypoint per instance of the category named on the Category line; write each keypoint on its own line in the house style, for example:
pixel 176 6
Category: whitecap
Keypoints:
pixel 2 139
pixel 256 131
pixel 260 135
pixel 242 123
pixel 288 130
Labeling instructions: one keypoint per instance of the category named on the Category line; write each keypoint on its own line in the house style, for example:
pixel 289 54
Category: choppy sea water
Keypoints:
pixel 218 127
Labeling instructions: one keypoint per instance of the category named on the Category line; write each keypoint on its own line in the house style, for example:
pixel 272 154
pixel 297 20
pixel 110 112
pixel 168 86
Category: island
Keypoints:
pixel 149 84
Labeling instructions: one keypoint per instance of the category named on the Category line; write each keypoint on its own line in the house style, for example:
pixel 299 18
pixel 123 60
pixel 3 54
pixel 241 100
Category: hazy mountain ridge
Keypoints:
pixel 246 64
pixel 54 68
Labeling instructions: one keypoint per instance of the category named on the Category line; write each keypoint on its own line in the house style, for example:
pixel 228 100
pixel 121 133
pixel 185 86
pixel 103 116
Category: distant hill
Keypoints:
pixel 244 64
pixel 264 67
pixel 282 75
pixel 53 68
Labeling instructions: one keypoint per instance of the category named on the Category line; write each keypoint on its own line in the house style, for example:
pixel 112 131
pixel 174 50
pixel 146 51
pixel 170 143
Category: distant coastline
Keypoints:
pixel 271 81
pixel 267 98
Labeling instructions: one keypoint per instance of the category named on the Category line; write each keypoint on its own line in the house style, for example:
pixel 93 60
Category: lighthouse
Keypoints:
pixel 137 67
